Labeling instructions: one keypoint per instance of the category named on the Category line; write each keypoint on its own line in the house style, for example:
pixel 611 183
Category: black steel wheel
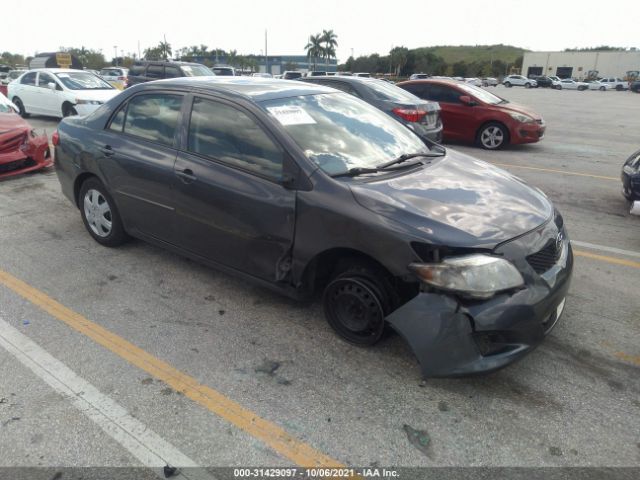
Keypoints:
pixel 355 304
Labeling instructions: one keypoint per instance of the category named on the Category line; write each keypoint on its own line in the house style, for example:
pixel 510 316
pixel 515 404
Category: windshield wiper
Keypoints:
pixel 409 156
pixel 354 172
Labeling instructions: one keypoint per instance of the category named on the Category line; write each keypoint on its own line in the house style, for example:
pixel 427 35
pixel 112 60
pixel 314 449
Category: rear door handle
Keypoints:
pixel 107 150
pixel 186 175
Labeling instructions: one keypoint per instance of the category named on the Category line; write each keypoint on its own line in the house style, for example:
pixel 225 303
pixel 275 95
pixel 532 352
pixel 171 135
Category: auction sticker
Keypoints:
pixel 291 115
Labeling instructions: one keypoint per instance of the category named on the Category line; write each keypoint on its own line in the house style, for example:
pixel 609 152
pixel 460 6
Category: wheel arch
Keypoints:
pixel 77 185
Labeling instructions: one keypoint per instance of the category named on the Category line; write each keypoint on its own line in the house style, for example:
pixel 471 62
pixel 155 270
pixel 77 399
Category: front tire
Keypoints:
pixel 68 110
pixel 493 136
pixel 100 214
pixel 602 89
pixel 527 85
pixel 356 302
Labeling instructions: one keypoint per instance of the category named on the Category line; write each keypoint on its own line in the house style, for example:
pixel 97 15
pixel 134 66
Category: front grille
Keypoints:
pixel 16 165
pixel 13 143
pixel 546 258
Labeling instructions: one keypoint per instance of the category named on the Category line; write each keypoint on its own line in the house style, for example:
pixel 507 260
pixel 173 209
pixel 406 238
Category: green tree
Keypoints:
pixel 330 42
pixel 399 57
pixel 314 49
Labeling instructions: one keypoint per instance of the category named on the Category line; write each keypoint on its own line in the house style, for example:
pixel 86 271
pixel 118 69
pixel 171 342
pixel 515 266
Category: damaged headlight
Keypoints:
pixel 476 276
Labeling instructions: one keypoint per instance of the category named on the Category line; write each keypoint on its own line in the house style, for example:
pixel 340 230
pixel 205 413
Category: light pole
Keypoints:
pixel 115 55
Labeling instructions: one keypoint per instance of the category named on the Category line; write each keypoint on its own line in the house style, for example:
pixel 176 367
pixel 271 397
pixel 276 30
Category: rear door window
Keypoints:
pixel 441 93
pixel 153 117
pixel 137 69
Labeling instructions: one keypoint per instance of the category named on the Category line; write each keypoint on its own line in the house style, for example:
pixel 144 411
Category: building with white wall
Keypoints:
pixel 578 65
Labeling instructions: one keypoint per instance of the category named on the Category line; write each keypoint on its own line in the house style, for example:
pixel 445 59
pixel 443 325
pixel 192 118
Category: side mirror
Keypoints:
pixel 51 85
pixel 466 100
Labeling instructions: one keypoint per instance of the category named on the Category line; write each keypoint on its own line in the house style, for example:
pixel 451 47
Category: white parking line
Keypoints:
pixel 144 444
pixel 604 248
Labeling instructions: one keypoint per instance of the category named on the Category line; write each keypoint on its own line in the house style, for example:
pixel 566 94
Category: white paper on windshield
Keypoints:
pixel 291 115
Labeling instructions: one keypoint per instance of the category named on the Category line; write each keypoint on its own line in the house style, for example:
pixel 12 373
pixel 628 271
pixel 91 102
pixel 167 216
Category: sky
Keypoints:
pixel 363 27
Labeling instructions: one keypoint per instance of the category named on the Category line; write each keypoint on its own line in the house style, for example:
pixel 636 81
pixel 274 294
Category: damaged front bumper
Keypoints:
pixel 24 154
pixel 453 337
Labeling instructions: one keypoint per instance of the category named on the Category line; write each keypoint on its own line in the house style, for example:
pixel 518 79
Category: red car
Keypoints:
pixel 21 149
pixel 471 114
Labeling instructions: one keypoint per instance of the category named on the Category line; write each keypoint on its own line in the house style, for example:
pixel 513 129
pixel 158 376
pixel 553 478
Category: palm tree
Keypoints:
pixel 165 49
pixel 314 49
pixel 330 40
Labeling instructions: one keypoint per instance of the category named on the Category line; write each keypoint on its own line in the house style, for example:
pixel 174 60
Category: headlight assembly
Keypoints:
pixel 520 117
pixel 476 276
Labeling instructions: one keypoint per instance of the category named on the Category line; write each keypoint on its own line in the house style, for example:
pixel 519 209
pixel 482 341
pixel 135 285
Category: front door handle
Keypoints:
pixel 107 150
pixel 186 175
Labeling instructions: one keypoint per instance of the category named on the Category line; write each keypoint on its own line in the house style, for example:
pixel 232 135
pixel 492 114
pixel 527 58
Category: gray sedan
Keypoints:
pixel 421 116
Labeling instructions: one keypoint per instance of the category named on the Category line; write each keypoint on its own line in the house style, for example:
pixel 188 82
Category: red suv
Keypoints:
pixel 471 114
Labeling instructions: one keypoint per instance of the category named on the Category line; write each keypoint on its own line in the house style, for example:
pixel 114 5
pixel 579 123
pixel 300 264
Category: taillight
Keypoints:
pixel 55 139
pixel 410 114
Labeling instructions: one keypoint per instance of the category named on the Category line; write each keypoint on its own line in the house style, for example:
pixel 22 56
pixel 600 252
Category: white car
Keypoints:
pixel 555 82
pixel 59 92
pixel 489 82
pixel 520 81
pixel 615 83
pixel 116 76
pixel 598 85
pixel 262 75
pixel 476 82
pixel 569 84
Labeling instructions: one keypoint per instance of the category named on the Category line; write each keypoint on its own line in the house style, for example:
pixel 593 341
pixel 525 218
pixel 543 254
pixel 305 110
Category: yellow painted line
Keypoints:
pixel 271 434
pixel 606 258
pixel 551 170
pixel 635 359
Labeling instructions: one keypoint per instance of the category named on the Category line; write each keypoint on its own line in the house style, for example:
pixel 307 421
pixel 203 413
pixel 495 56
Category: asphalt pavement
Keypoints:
pixel 205 367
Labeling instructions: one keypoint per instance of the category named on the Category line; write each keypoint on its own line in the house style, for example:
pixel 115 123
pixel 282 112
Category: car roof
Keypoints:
pixel 341 78
pixel 254 88
pixel 55 70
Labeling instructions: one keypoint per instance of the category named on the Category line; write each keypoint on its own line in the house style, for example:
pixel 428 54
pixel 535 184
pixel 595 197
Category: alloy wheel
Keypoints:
pixel 492 137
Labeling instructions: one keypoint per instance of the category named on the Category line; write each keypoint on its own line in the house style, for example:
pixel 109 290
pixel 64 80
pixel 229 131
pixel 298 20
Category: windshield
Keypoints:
pixel 223 71
pixel 196 71
pixel 338 131
pixel 481 94
pixel 386 91
pixel 83 81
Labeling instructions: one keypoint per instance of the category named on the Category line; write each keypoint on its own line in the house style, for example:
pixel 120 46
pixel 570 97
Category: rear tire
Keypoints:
pixel 18 103
pixel 619 88
pixel 507 84
pixel 100 214
pixel 356 302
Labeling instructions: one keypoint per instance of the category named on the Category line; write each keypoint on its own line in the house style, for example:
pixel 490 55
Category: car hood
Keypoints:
pixel 514 107
pixel 100 95
pixel 12 121
pixel 458 201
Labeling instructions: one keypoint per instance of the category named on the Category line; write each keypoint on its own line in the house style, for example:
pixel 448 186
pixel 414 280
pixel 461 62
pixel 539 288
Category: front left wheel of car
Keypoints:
pixel 100 214
pixel 356 302
pixel 527 85
pixel 493 136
